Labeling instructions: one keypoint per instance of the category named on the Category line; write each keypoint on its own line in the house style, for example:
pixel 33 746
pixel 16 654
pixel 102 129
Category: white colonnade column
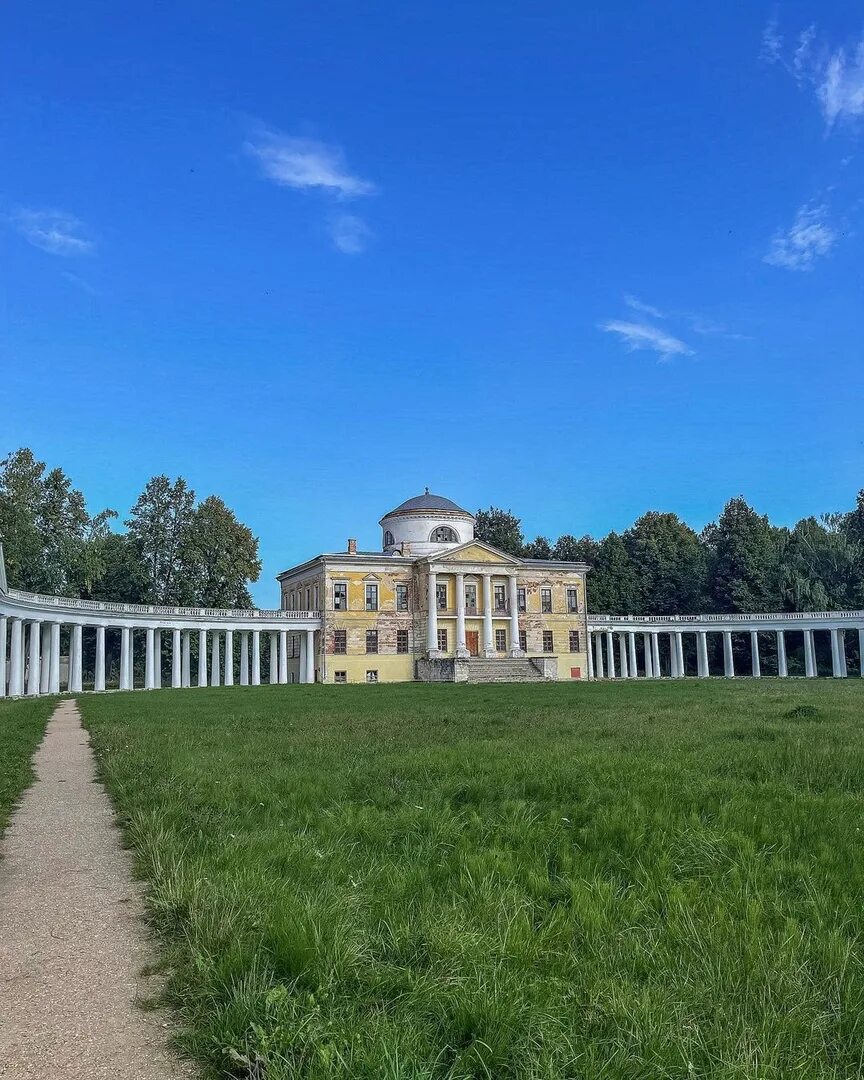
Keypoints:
pixel 610 654
pixel 649 657
pixel 782 666
pixel 76 659
pixel 274 657
pixel 679 654
pixel 861 652
pixel 149 658
pixel 16 658
pixel 256 657
pixel 655 654
pixel 3 635
pixel 186 659
pixel 228 659
pixel 631 647
pixel 756 666
pixel 45 658
pixel 283 656
pixel 176 669
pixel 54 672
pixel 515 646
pixel 598 656
pixel 99 663
pixel 589 652
pixel 309 657
pixel 838 647
pixel 126 656
pixel 34 666
pixel 809 655
pixel 461 642
pixel 244 657
pixel 202 657
pixel 432 615
pixel 673 656
pixel 157 659
pixel 215 659
pixel 728 659
pixel 488 636
pixel 622 656
pixel 702 654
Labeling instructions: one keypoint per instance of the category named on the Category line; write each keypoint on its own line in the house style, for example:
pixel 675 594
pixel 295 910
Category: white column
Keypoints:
pixel 754 654
pixel 809 656
pixel 610 654
pixel 649 657
pixel 44 657
pixel 215 659
pixel 461 644
pixel 782 666
pixel 157 659
pixel 229 658
pixel 622 656
pixel 598 656
pixel 728 659
pixel 176 673
pixel 679 653
pixel 149 658
pixel 301 669
pixel 274 657
pixel 202 657
pixel 244 658
pixel 186 660
pixel 589 652
pixel 861 651
pixel 432 616
pixel 836 661
pixel 54 674
pixel 631 648
pixel 310 656
pixel 16 659
pixel 673 657
pixel 702 654
pixel 34 668
pixel 488 636
pixel 256 657
pixel 283 656
pixel 515 648
pixel 3 625
pixel 655 654
pixel 126 658
pixel 76 659
pixel 99 664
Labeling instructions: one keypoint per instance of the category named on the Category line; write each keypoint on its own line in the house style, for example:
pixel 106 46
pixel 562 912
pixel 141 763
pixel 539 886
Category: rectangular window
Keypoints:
pixel 441 596
pixel 340 595
pixel 340 676
pixel 574 641
pixel 402 641
pixel 523 640
pixel 340 642
pixel 520 598
pixel 500 597
pixel 371 676
pixel 548 644
pixel 471 597
pixel 401 597
pixel 572 600
pixel 546 601
pixel 317 598
pixel 501 640
pixel 442 640
pixel 371 597
pixel 308 599
pixel 371 641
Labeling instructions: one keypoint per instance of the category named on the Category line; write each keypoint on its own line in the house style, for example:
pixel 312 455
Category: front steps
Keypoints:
pixel 479 670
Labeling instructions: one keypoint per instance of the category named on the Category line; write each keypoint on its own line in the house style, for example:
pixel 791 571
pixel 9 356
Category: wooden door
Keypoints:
pixel 472 642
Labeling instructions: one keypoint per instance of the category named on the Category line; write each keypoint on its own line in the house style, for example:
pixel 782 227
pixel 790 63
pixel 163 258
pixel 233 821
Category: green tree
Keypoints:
pixel 821 566
pixel 157 524
pixel 501 529
pixel 612 584
pixel 218 557
pixel 669 565
pixel 540 548
pixel 744 552
pixel 569 549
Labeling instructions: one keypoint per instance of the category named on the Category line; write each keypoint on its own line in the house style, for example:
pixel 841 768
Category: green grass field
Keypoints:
pixel 22 725
pixel 625 881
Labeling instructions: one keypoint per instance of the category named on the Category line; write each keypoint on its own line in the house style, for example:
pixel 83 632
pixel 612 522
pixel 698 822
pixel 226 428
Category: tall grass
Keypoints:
pixel 22 725
pixel 628 881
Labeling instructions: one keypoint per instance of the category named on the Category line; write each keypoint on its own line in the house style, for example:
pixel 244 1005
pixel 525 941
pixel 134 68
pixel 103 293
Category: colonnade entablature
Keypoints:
pixel 639 653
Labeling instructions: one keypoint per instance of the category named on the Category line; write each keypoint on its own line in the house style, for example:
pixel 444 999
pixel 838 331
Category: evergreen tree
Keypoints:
pixel 669 565
pixel 501 529
pixel 538 549
pixel 613 588
pixel 744 560
pixel 157 526
pixel 218 555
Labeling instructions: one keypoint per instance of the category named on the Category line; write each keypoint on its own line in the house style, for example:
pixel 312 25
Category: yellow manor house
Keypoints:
pixel 439 606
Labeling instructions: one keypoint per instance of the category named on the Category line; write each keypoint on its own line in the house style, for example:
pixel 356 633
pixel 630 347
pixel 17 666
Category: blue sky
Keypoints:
pixel 575 260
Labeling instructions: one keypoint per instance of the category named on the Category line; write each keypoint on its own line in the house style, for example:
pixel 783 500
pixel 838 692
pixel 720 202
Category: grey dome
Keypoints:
pixel 427 501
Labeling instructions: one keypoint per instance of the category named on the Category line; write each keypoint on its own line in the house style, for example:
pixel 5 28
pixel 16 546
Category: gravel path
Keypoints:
pixel 71 941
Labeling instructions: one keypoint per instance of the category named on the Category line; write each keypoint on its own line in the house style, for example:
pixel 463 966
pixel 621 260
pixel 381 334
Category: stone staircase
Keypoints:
pixel 509 669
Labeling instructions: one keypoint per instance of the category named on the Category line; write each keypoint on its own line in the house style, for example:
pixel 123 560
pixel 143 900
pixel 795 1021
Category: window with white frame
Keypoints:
pixel 372 676
pixel 371 596
pixel 371 641
pixel 442 640
pixel 471 596
pixel 441 595
pixel 574 641
pixel 402 644
pixel 501 640
pixel 443 535
pixel 340 595
pixel 548 641
pixel 521 602
pixel 340 642
pixel 401 597
pixel 546 601
pixel 500 597
pixel 340 676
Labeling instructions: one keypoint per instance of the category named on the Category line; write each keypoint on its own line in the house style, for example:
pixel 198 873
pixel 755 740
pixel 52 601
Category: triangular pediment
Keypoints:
pixel 475 551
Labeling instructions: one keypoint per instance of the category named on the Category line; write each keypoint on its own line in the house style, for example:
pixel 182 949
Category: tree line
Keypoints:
pixel 175 549
pixel 739 563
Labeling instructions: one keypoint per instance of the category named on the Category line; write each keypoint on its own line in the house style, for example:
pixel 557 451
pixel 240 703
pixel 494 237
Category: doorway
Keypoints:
pixel 472 642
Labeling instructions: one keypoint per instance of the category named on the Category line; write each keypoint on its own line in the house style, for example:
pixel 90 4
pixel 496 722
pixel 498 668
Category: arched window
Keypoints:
pixel 388 539
pixel 444 535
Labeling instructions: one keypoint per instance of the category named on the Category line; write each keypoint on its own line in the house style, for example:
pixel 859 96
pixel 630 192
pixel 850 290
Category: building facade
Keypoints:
pixel 436 604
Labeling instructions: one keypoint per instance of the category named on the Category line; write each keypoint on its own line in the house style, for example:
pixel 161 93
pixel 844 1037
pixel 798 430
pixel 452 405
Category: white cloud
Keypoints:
pixel 840 85
pixel 643 336
pixel 809 238
pixel 643 308
pixel 350 234
pixel 306 164
pixel 52 231
pixel 772 42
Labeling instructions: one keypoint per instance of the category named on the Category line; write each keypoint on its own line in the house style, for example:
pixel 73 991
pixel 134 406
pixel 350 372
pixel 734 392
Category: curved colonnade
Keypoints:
pixel 639 654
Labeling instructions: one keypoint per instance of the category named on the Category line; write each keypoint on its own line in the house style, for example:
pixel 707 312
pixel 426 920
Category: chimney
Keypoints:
pixel 352 546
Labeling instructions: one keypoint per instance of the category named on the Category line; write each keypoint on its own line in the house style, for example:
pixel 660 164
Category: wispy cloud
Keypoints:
pixel 349 233
pixel 306 164
pixel 835 74
pixel 644 336
pixel 700 324
pixel 79 283
pixel 636 304
pixel 809 238
pixel 52 231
